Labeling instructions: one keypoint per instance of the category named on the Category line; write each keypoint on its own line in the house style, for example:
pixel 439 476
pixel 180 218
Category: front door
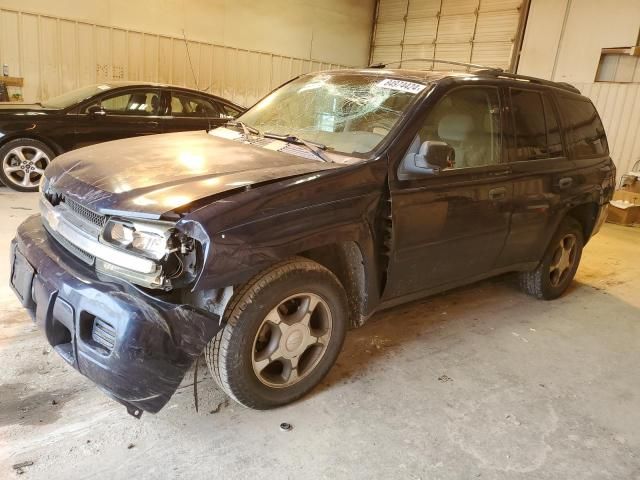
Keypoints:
pixel 450 227
pixel 122 114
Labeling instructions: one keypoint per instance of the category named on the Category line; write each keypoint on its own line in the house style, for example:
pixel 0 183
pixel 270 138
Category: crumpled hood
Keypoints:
pixel 152 175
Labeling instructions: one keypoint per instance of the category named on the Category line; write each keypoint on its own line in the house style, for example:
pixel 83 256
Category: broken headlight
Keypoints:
pixel 150 239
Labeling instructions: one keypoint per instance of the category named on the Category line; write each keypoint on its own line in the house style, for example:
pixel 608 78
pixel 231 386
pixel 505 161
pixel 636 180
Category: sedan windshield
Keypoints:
pixel 347 113
pixel 74 96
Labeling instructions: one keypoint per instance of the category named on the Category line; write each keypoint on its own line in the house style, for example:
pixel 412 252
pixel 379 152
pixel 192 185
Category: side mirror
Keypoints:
pixel 435 156
pixel 96 111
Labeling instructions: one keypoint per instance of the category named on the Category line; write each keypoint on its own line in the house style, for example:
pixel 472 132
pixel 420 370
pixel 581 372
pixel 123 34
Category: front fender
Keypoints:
pixel 240 252
pixel 244 233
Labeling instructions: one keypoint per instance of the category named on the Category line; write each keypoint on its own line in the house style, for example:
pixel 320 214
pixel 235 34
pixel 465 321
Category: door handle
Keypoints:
pixel 153 124
pixel 565 182
pixel 499 193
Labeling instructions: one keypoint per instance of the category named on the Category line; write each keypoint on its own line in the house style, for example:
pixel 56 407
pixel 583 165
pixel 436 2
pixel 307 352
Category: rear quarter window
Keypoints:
pixel 585 133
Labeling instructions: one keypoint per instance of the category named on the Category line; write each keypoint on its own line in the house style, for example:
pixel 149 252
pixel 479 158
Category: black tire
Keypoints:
pixel 230 355
pixel 544 282
pixel 31 170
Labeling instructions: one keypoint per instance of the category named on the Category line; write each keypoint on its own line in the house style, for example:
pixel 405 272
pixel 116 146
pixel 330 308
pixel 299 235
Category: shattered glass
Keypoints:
pixel 348 113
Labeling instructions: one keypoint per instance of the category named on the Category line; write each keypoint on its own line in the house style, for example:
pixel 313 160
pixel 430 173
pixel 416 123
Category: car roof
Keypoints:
pixel 124 84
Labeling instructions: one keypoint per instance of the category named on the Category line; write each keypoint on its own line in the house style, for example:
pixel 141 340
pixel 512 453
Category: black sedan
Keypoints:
pixel 32 135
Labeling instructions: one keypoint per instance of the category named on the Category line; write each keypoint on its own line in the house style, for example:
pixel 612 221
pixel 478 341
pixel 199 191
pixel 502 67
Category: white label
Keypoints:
pixel 276 145
pixel 402 85
pixel 225 133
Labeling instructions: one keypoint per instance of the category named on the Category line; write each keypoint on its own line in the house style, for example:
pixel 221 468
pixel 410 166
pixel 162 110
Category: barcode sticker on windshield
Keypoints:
pixel 402 85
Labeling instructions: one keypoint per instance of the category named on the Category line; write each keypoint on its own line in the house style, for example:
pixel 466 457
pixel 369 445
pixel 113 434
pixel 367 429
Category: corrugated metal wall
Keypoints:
pixel 476 31
pixel 619 107
pixel 55 55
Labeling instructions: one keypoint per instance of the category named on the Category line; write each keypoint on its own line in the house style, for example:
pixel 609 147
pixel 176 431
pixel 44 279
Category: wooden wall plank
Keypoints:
pixel 56 55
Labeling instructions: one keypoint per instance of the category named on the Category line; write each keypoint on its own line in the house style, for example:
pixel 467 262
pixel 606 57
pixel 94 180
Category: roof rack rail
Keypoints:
pixel 535 80
pixel 484 70
pixel 436 60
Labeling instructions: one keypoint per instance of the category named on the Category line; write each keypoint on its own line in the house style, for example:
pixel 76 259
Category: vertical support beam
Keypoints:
pixel 473 35
pixel 517 44
pixel 564 27
pixel 435 39
pixel 374 27
pixel 404 32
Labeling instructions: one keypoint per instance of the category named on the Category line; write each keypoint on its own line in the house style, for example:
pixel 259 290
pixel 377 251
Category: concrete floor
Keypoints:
pixel 482 382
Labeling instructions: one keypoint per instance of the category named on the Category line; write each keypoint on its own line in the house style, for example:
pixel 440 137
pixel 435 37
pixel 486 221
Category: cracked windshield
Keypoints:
pixel 349 114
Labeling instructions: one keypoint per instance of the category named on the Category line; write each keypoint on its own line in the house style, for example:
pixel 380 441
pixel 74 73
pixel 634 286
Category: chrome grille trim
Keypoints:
pixel 78 252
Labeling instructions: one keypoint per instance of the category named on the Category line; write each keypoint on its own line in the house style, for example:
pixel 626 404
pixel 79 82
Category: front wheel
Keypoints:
pixel 284 331
pixel 23 163
pixel 559 265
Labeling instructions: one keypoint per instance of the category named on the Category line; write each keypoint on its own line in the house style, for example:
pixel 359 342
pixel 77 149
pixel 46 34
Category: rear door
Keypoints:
pixel 190 111
pixel 543 176
pixel 450 227
pixel 594 173
pixel 131 112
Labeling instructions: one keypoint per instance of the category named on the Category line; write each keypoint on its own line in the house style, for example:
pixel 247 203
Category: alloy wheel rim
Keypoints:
pixel 563 259
pixel 291 340
pixel 23 166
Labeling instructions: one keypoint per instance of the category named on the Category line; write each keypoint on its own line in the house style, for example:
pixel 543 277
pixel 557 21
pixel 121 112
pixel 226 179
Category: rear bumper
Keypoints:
pixel 600 218
pixel 135 347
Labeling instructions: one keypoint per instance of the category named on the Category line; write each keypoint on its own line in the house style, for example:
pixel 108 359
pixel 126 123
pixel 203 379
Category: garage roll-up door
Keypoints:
pixel 475 31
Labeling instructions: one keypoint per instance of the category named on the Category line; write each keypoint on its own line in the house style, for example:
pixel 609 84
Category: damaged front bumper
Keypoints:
pixel 135 347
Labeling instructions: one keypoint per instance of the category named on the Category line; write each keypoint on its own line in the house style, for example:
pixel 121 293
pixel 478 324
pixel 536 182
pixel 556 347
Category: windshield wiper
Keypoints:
pixel 315 148
pixel 246 129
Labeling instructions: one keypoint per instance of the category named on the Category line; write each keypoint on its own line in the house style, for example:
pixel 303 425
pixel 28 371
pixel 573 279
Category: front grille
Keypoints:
pixel 85 213
pixel 103 334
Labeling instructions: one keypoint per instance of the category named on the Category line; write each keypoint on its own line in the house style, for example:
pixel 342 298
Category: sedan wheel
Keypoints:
pixel 23 164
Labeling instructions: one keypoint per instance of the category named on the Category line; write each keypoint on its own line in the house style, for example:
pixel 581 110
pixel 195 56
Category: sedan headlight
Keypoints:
pixel 150 239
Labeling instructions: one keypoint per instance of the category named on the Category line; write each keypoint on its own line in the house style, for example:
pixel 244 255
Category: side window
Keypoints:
pixel 229 111
pixel 585 133
pixel 138 102
pixel 185 105
pixel 467 119
pixel 529 123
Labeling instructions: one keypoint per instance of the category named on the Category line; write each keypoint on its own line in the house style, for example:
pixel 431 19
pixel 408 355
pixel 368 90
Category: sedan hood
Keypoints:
pixel 150 176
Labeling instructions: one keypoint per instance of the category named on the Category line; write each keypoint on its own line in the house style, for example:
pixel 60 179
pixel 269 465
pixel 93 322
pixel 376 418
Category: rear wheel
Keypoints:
pixel 23 163
pixel 559 264
pixel 284 331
